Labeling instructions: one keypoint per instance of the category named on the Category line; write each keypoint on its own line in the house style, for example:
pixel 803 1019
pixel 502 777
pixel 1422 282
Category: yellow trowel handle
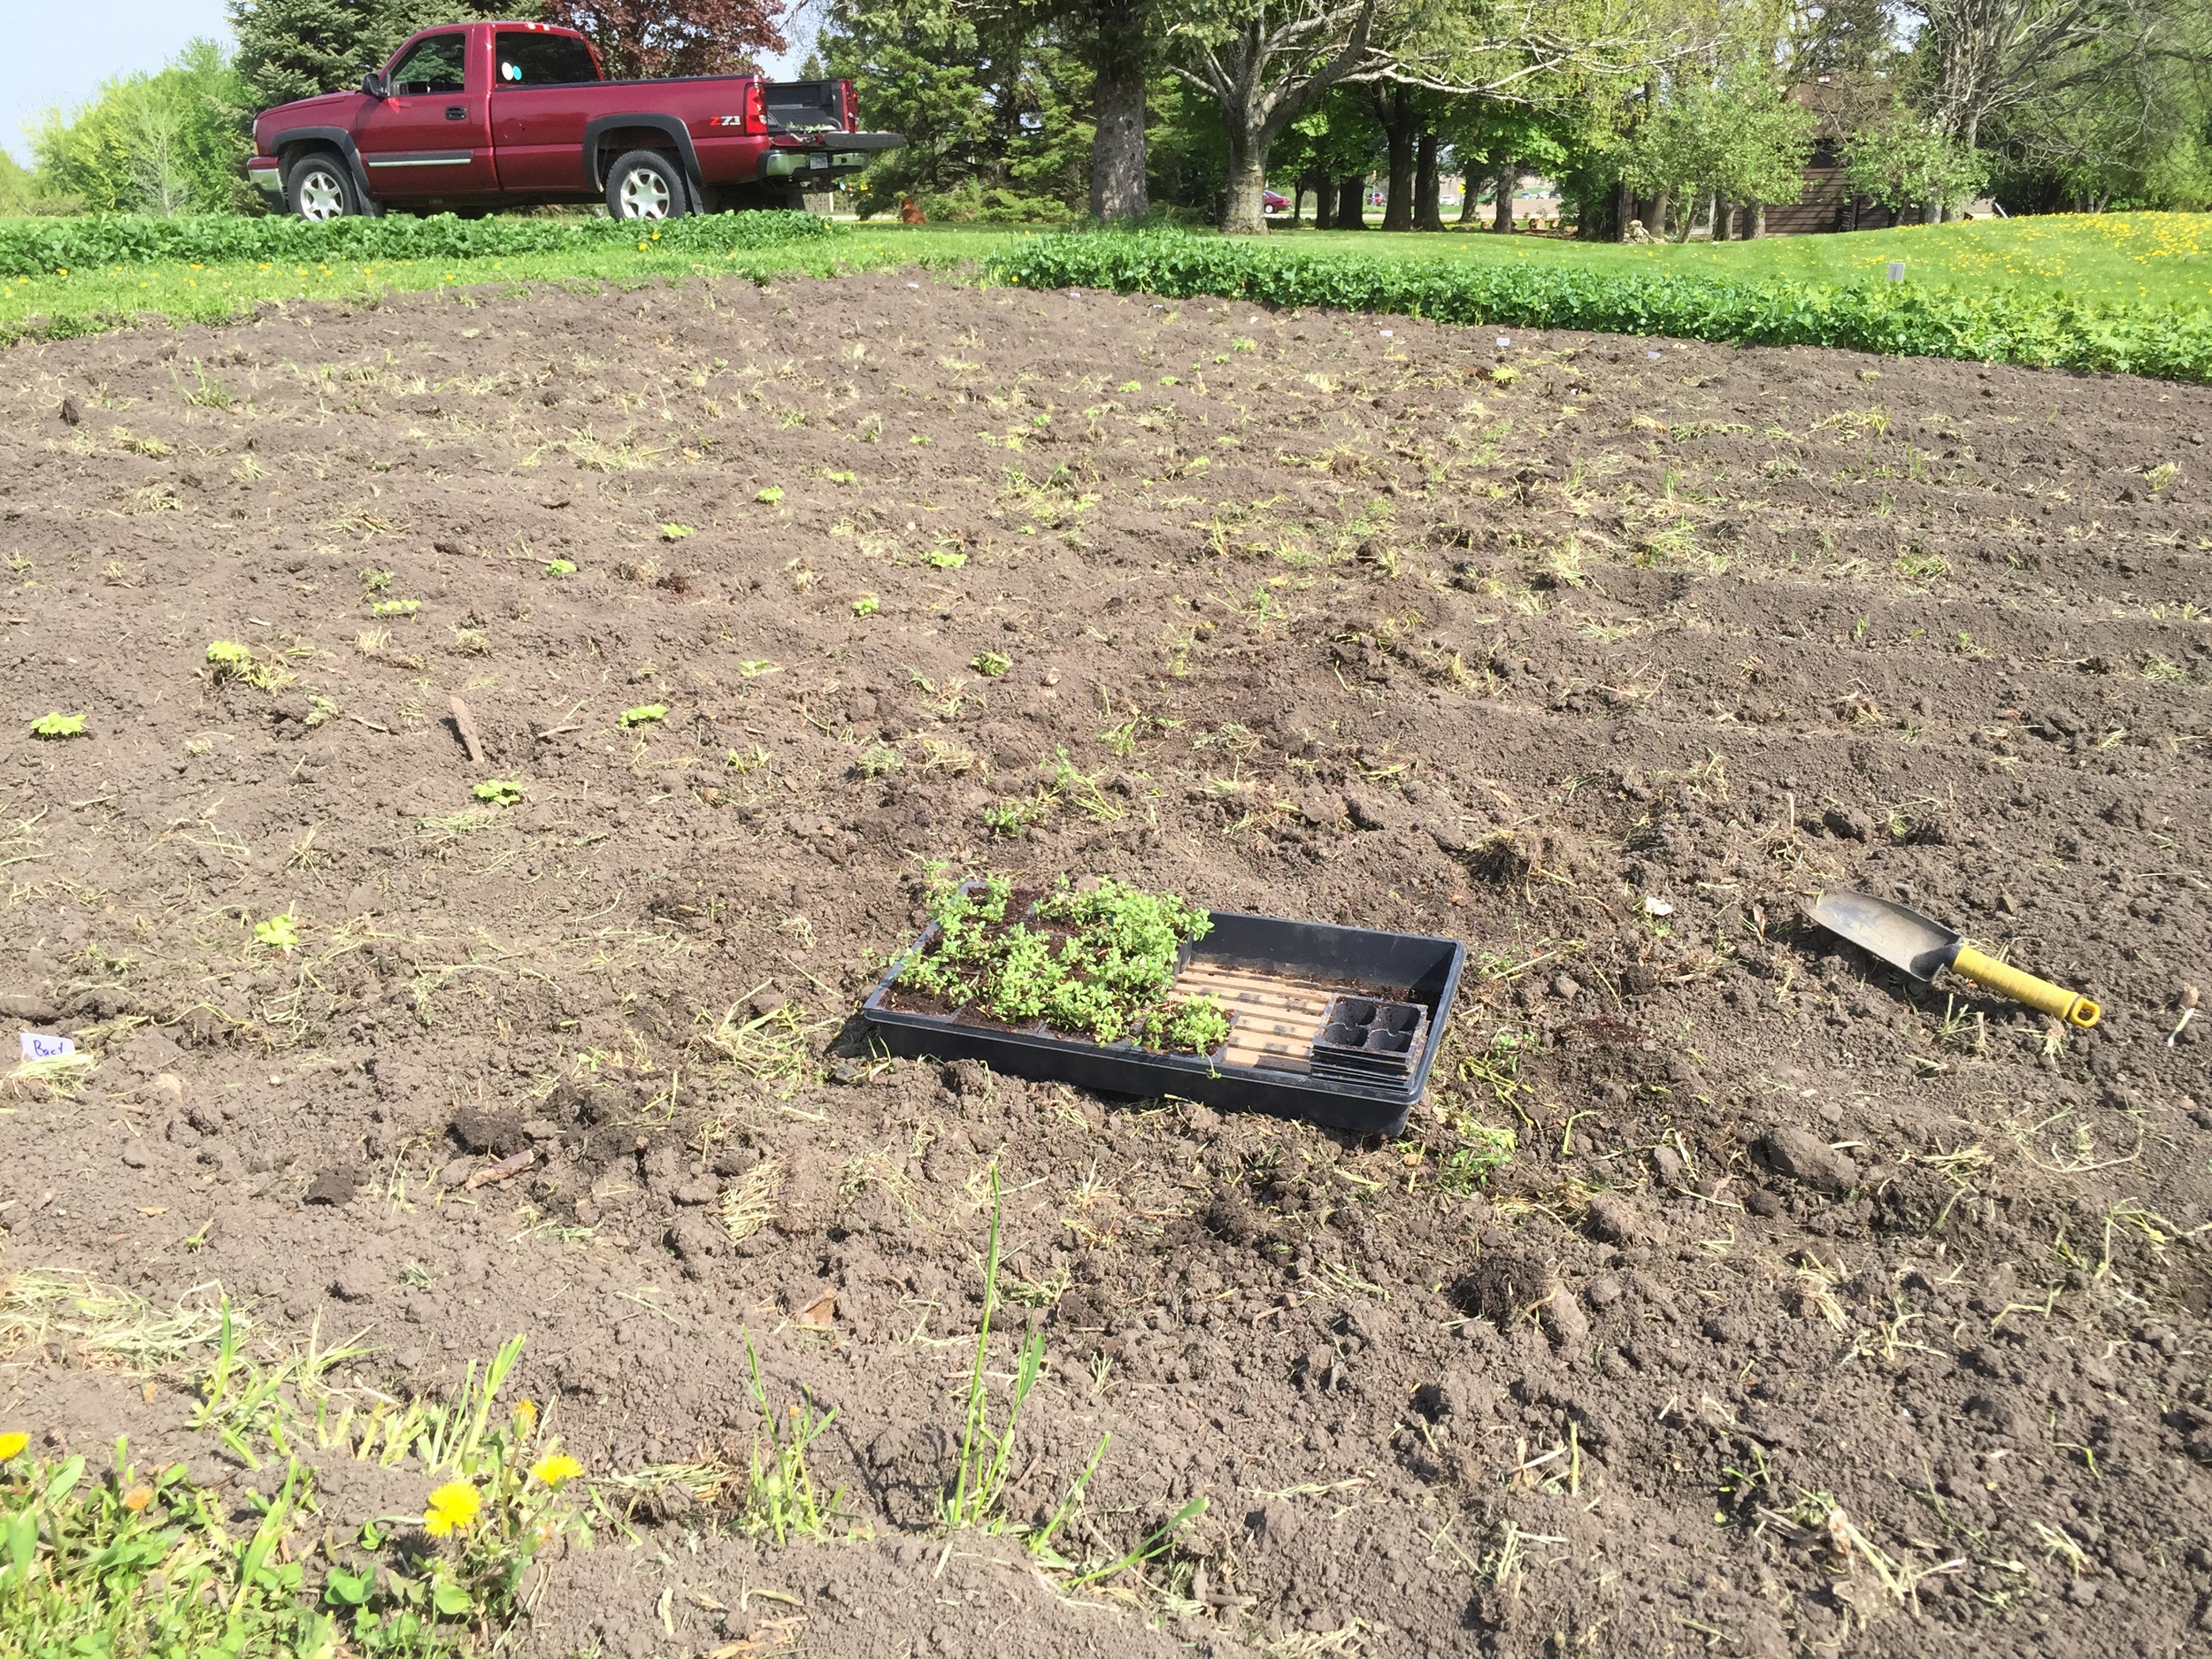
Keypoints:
pixel 2040 995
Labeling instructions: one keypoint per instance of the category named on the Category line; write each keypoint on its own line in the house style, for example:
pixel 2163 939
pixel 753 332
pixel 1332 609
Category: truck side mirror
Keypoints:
pixel 373 84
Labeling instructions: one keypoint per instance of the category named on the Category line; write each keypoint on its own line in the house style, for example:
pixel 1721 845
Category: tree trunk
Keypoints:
pixel 1118 153
pixel 1723 218
pixel 1324 201
pixel 1398 123
pixel 1508 180
pixel 1351 202
pixel 1117 149
pixel 1427 188
pixel 1467 194
pixel 1657 223
pixel 1244 212
pixel 1759 221
pixel 1624 209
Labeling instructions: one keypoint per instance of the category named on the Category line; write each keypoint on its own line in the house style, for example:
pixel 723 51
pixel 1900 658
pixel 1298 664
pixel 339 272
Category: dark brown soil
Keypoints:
pixel 1331 628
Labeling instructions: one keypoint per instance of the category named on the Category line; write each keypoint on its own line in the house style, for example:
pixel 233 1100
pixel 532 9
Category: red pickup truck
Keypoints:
pixel 475 116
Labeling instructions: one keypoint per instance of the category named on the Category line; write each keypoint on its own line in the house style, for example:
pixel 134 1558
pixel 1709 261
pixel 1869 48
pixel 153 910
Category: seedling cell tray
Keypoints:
pixel 1338 1025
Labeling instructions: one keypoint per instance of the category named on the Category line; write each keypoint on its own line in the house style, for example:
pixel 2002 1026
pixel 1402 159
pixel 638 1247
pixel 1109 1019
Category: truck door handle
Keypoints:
pixel 456 112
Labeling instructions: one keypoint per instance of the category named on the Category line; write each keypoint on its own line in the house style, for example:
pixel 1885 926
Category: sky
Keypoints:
pixel 56 54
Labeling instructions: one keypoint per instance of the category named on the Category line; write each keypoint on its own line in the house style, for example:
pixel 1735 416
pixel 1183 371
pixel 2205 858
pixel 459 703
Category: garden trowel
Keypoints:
pixel 1907 940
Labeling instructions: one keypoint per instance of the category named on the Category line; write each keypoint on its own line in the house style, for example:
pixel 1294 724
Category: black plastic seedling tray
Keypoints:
pixel 1392 967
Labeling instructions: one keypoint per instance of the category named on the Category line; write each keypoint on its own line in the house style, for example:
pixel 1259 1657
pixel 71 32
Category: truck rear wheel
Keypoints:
pixel 320 188
pixel 646 184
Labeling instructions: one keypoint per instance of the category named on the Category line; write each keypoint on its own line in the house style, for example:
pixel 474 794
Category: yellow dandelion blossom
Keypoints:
pixel 526 1415
pixel 12 1444
pixel 556 1467
pixel 137 1498
pixel 453 1509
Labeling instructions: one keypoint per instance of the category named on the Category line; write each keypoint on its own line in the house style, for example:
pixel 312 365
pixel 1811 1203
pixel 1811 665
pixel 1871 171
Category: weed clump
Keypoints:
pixel 1093 961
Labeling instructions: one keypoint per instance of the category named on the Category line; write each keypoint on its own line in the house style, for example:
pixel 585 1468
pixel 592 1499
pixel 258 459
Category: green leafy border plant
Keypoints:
pixel 1995 325
pixel 40 246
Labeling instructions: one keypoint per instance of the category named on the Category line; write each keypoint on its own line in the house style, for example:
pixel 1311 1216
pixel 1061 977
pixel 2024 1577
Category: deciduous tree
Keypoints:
pixel 1265 64
pixel 169 142
pixel 641 38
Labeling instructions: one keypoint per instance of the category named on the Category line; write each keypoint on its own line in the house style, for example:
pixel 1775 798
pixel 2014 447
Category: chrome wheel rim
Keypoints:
pixel 644 194
pixel 321 194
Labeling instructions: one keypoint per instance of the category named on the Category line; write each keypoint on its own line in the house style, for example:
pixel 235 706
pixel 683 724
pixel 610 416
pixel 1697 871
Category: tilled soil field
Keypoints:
pixel 1805 1309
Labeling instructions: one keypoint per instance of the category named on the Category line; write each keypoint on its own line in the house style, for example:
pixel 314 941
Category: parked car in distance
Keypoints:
pixel 477 116
pixel 1274 201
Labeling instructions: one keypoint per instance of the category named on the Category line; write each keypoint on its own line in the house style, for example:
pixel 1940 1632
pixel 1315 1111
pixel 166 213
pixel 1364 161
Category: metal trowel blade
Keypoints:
pixel 1902 938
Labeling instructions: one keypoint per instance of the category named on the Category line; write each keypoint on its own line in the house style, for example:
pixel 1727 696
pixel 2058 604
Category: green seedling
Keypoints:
pixel 231 660
pixel 559 567
pixel 644 714
pixel 228 660
pixel 772 494
pixel 780 1498
pixel 499 791
pixel 878 760
pixel 866 606
pixel 52 727
pixel 674 532
pixel 1014 820
pixel 1504 375
pixel 1198 1026
pixel 1483 1151
pixel 395 607
pixel 1130 386
pixel 375 582
pixel 754 668
pixel 1153 1543
pixel 280 932
pixel 990 665
pixel 944 559
pixel 985 1453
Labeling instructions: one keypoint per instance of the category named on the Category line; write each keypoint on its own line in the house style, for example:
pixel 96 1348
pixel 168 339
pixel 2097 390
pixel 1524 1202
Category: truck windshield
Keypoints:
pixel 527 58
pixel 432 66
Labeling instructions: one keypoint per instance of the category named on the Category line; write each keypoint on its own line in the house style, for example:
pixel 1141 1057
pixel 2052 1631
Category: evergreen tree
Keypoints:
pixel 295 48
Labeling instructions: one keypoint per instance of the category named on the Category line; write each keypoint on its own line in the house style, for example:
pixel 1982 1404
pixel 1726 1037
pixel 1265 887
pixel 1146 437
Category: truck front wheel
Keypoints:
pixel 646 184
pixel 320 188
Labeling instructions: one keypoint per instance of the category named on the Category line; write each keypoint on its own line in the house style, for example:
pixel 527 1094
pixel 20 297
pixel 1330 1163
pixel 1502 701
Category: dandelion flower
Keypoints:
pixel 556 1467
pixel 526 1415
pixel 12 1444
pixel 453 1509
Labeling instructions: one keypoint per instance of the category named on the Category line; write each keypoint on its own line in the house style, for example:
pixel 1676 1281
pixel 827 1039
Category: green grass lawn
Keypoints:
pixel 2118 257
pixel 2141 259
